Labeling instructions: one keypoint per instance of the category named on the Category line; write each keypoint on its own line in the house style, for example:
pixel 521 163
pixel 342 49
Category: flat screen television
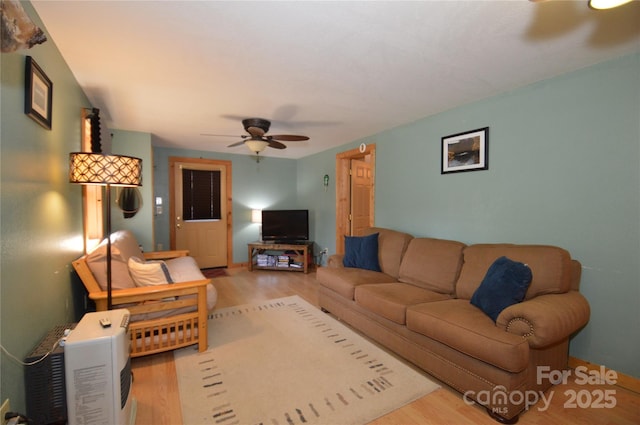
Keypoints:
pixel 285 226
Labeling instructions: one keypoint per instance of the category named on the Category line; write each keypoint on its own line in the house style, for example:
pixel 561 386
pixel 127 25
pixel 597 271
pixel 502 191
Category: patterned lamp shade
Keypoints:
pixel 101 169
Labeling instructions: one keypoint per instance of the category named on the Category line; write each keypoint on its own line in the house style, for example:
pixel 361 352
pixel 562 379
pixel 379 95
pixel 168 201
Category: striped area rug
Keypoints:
pixel 285 362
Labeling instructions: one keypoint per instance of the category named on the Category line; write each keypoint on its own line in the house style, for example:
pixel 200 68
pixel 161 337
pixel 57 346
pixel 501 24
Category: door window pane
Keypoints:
pixel 201 195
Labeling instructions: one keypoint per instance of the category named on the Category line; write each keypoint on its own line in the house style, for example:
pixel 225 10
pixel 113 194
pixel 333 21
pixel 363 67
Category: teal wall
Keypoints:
pixel 268 184
pixel 564 169
pixel 41 213
pixel 321 203
pixel 133 143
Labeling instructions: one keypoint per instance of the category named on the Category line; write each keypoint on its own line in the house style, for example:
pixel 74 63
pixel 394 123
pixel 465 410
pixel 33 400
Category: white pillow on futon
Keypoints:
pixel 184 269
pixel 149 273
pixel 180 269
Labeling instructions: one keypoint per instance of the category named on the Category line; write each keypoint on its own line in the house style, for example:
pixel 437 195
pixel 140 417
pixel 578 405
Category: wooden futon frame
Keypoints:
pixel 149 336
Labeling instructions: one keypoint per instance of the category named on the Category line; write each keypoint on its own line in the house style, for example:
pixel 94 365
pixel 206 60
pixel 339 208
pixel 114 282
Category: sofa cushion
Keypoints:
pixel 361 252
pixel 123 246
pixel 391 247
pixel 550 266
pixel 432 264
pixel 467 329
pixel 390 300
pixel 344 280
pixel 505 284
pixel 149 273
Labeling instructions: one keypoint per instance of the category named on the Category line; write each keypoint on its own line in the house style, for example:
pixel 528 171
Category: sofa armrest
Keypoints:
pixel 335 260
pixel 165 255
pixel 546 319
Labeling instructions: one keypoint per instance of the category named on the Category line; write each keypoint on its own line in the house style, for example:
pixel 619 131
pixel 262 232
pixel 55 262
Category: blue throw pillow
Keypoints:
pixel 361 252
pixel 505 284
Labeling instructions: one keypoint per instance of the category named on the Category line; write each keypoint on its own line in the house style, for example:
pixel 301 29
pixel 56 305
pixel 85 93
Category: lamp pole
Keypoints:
pixel 109 297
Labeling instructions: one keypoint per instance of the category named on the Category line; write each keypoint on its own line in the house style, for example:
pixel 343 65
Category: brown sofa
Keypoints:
pixel 418 306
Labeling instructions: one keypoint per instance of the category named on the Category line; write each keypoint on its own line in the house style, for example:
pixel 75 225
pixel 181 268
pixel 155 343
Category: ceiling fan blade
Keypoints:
pixel 276 145
pixel 233 145
pixel 255 131
pixel 289 138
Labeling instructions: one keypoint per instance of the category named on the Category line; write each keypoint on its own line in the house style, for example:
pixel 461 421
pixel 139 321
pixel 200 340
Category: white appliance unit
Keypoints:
pixel 98 370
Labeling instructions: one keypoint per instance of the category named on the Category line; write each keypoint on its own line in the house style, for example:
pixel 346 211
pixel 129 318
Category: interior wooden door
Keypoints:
pixel 361 196
pixel 344 190
pixel 204 234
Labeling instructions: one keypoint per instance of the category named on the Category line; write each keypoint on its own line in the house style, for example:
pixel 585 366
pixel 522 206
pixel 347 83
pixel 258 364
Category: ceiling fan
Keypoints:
pixel 257 140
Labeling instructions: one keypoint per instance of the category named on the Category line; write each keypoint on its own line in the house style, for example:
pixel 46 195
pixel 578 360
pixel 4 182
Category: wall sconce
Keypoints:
pixel 256 216
pixel 326 181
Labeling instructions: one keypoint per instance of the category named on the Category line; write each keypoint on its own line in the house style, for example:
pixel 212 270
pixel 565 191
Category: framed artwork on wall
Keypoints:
pixel 466 151
pixel 38 94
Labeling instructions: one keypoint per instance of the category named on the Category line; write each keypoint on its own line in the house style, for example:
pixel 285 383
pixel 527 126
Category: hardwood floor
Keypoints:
pixel 156 390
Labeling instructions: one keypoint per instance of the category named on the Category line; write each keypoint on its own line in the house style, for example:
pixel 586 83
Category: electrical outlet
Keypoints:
pixel 325 251
pixel 6 407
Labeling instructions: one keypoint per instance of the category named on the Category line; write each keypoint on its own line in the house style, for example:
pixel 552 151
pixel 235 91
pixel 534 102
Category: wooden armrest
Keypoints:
pixel 152 292
pixel 163 255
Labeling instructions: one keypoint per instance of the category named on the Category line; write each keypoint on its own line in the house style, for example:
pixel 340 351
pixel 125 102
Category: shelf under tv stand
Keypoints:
pixel 300 251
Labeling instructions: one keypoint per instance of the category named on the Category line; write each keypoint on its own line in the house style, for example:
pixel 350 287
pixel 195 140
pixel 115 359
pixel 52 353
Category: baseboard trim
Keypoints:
pixel 625 381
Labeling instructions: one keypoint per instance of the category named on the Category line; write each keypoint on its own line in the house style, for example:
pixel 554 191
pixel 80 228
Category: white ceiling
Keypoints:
pixel 334 71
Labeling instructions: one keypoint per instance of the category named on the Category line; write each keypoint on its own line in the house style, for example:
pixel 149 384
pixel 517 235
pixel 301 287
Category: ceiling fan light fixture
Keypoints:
pixel 606 4
pixel 256 145
pixel 257 141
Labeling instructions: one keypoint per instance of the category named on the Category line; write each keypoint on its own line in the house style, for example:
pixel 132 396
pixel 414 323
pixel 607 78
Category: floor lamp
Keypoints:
pixel 105 170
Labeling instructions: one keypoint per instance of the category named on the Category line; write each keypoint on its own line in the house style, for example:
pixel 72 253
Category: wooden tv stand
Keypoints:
pixel 299 252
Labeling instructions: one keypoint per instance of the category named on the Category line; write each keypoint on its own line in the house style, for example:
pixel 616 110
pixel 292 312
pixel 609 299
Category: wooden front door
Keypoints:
pixel 200 210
